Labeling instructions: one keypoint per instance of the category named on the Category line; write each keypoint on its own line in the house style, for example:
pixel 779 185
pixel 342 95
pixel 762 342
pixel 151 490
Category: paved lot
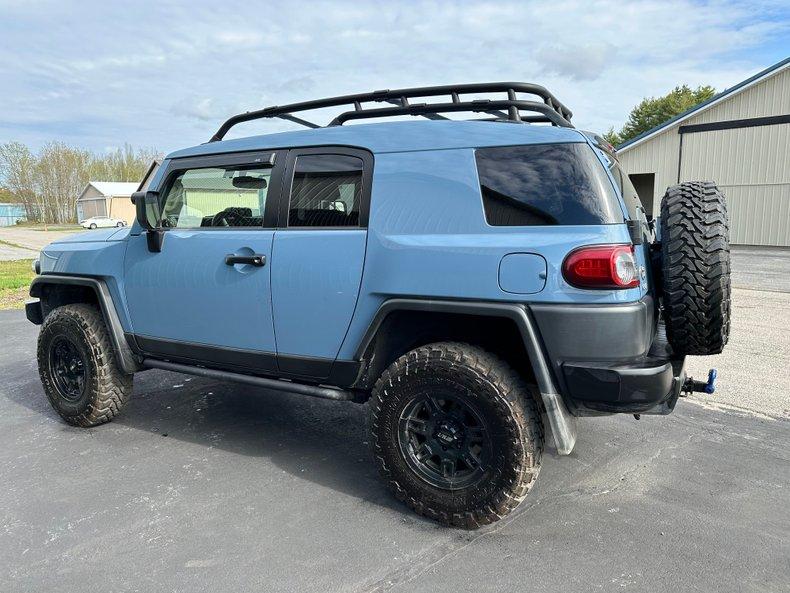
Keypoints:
pixel 202 486
pixel 25 243
pixel 761 268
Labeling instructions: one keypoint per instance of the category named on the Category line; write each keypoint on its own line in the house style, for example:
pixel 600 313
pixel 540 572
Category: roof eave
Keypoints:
pixel 725 94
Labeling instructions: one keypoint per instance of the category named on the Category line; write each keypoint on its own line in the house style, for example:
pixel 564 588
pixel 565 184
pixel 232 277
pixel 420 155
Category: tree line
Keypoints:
pixel 48 182
pixel 653 111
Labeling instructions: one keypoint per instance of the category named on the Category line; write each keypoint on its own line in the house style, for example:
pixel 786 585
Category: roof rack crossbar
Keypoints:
pixel 404 102
pixel 424 109
pixel 298 120
pixel 549 110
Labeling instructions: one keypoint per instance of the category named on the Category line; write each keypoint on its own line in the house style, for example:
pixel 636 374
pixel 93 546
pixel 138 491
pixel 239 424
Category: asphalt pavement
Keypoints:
pixel 203 486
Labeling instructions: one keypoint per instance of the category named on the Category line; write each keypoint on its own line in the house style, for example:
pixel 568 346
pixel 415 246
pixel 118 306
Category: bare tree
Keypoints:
pixel 17 166
pixel 49 183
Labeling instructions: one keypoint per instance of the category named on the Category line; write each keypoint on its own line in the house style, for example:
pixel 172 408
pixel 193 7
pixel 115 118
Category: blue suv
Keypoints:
pixel 476 282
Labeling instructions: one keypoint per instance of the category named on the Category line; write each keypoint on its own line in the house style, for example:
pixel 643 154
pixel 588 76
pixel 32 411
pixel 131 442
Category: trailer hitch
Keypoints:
pixel 709 387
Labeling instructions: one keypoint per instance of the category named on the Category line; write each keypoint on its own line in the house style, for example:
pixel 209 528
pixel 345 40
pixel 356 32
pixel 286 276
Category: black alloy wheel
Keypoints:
pixel 68 366
pixel 445 441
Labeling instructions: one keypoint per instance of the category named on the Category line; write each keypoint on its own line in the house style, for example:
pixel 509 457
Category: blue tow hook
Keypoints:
pixel 710 386
pixel 690 386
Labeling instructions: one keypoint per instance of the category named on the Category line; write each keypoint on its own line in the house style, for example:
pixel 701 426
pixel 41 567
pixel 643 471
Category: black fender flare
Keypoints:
pixel 126 358
pixel 563 424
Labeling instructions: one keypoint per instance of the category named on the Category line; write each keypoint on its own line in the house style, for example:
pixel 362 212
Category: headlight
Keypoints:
pixel 36 265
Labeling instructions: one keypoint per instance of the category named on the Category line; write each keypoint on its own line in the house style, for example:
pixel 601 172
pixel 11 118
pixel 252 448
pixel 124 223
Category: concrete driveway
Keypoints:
pixel 25 243
pixel 202 486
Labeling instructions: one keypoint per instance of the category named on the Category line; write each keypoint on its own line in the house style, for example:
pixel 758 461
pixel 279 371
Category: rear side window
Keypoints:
pixel 326 191
pixel 627 189
pixel 545 184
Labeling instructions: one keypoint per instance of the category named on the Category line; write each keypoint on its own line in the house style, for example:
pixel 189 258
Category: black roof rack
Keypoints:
pixel 549 110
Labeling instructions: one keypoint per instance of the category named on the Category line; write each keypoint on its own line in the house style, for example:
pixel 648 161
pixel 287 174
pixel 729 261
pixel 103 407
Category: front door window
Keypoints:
pixel 216 197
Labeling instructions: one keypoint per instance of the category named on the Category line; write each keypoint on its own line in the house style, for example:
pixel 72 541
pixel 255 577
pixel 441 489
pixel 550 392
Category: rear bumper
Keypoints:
pixel 611 358
pixel 651 385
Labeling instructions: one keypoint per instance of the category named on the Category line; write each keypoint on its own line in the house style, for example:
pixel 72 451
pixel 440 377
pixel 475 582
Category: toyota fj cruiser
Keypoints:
pixel 473 281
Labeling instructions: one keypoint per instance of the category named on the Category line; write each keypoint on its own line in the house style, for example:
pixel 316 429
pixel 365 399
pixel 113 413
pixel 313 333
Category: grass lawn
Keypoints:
pixel 15 277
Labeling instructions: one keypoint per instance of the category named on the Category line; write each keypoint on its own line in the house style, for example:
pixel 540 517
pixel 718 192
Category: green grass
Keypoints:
pixel 15 274
pixel 15 277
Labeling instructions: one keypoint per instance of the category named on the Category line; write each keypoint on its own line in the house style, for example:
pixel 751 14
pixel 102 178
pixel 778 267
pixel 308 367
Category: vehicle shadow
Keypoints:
pixel 321 441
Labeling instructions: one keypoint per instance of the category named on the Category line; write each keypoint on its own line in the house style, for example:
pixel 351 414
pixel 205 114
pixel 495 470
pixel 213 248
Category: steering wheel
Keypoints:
pixel 228 217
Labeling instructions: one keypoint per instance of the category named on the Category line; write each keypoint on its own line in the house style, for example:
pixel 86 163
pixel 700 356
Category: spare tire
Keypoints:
pixel 695 256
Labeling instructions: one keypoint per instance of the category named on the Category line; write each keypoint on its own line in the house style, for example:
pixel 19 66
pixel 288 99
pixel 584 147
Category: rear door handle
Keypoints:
pixel 256 259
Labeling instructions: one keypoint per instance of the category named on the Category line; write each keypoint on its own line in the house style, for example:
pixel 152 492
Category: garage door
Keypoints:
pixel 752 167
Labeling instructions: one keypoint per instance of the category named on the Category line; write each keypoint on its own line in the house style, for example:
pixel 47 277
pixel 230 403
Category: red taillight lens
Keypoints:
pixel 601 266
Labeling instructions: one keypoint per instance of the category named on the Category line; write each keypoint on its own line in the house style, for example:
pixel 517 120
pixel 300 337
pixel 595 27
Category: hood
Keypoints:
pixel 96 236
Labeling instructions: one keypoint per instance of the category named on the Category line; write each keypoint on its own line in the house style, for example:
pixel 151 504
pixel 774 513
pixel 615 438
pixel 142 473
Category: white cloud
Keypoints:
pixel 166 74
pixel 577 62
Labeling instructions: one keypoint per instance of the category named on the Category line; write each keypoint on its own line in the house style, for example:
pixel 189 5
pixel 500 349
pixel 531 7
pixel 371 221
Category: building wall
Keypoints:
pixel 750 165
pixel 752 170
pixel 659 155
pixel 87 208
pixel 91 203
pixel 121 207
pixel 11 213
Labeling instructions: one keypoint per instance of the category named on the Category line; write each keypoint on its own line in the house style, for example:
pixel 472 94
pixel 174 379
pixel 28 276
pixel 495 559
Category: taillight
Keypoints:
pixel 601 266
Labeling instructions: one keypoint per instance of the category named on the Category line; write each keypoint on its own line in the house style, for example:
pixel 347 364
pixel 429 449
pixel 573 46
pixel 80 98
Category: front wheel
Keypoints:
pixel 78 367
pixel 457 434
pixel 119 224
pixel 92 225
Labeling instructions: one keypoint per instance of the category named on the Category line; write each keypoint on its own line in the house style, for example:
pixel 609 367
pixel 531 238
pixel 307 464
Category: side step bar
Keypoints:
pixel 332 393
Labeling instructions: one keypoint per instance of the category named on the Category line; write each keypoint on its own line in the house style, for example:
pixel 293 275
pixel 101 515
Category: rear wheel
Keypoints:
pixel 78 368
pixel 92 225
pixel 456 433
pixel 119 224
pixel 695 268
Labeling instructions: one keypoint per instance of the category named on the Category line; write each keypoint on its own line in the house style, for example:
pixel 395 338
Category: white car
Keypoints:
pixel 96 222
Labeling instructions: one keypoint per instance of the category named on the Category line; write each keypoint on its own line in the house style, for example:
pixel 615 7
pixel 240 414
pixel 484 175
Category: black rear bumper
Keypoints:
pixel 611 358
pixel 651 384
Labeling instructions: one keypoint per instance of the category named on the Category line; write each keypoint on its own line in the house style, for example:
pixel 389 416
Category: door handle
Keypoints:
pixel 256 259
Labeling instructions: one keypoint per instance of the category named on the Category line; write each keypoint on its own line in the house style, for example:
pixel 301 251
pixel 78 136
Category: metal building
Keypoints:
pixel 740 139
pixel 10 214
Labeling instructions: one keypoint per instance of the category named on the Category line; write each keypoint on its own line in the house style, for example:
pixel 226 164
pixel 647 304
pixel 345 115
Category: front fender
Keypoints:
pixel 46 288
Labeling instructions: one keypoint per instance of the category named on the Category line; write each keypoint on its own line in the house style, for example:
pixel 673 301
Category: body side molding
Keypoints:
pixel 563 424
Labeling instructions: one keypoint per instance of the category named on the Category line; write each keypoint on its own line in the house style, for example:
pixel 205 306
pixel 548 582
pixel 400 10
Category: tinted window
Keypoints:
pixel 217 197
pixel 545 184
pixel 627 189
pixel 326 191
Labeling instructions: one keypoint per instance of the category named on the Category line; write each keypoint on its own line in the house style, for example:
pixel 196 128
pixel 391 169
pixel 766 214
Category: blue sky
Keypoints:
pixel 97 74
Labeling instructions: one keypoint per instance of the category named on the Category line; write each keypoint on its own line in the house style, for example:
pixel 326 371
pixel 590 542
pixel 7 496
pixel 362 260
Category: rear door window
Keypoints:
pixel 545 184
pixel 326 191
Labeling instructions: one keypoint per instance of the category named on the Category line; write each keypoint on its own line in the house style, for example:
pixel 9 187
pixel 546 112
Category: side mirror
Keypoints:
pixel 147 206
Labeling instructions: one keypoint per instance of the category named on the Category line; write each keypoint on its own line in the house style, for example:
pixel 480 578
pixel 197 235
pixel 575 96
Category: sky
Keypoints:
pixel 164 75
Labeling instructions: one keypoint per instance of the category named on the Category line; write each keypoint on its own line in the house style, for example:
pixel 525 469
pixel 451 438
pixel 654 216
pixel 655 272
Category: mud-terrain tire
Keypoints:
pixel 494 401
pixel 695 253
pixel 78 367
